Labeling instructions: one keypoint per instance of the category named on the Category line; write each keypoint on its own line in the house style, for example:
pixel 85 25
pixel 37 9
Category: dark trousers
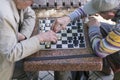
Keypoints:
pixel 20 74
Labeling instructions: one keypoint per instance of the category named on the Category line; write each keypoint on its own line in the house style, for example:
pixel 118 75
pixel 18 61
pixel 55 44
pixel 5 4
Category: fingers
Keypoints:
pixel 93 22
pixel 57 26
pixel 60 24
pixel 48 36
pixel 20 37
pixel 53 36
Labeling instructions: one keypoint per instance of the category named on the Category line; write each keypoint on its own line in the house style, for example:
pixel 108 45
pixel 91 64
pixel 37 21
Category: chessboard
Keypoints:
pixel 70 38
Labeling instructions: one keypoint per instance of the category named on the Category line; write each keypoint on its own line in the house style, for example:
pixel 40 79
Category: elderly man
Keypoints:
pixel 105 39
pixel 17 21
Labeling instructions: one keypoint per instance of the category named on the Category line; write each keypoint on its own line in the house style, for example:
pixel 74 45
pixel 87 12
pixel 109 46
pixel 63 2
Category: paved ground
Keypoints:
pixel 46 75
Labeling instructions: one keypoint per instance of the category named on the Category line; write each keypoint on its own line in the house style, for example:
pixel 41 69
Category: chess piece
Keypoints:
pixel 73 23
pixel 75 42
pixel 82 40
pixel 48 45
pixel 69 39
pixel 68 30
pixel 58 37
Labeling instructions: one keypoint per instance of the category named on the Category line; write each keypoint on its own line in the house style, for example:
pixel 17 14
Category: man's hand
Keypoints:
pixel 60 23
pixel 21 37
pixel 93 22
pixel 48 36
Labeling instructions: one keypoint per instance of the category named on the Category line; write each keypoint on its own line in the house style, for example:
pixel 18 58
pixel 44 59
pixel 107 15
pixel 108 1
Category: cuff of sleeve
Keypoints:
pixel 72 16
pixel 30 46
pixel 26 35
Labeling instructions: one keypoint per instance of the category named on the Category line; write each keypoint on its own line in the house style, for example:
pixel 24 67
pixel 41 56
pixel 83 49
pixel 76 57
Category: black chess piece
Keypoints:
pixel 75 38
pixel 75 42
pixel 69 39
pixel 73 23
pixel 79 27
pixel 69 30
pixel 82 39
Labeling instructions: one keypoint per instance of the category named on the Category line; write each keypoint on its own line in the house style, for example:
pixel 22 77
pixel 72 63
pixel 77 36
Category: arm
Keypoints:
pixel 13 51
pixel 77 14
pixel 103 46
pixel 28 22
pixel 61 23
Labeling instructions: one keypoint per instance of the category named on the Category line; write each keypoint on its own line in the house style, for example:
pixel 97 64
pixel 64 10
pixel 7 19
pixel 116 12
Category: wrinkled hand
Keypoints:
pixel 48 36
pixel 21 37
pixel 60 23
pixel 93 22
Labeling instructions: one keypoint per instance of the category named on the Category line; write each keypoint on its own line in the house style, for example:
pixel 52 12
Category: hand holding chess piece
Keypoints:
pixel 60 23
pixel 48 36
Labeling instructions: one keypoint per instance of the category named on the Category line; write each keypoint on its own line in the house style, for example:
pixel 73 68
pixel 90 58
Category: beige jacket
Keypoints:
pixel 10 49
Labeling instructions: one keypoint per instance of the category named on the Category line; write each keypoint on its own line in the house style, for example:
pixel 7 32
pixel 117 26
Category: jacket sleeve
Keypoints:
pixel 28 23
pixel 77 14
pixel 10 49
pixel 104 46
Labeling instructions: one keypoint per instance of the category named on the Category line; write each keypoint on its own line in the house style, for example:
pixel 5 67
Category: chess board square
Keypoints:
pixel 64 38
pixel 58 46
pixel 43 31
pixel 47 21
pixel 41 25
pixel 80 30
pixel 82 45
pixel 47 28
pixel 74 27
pixel 74 34
pixel 64 34
pixel 53 46
pixel 59 42
pixel 51 21
pixel 69 35
pixel 64 46
pixel 42 46
pixel 70 46
pixel 47 25
pixel 79 24
pixel 74 31
pixel 64 42
pixel 63 31
pixel 69 38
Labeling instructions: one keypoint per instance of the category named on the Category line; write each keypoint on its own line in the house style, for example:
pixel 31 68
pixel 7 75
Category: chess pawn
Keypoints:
pixel 48 45
pixel 58 37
